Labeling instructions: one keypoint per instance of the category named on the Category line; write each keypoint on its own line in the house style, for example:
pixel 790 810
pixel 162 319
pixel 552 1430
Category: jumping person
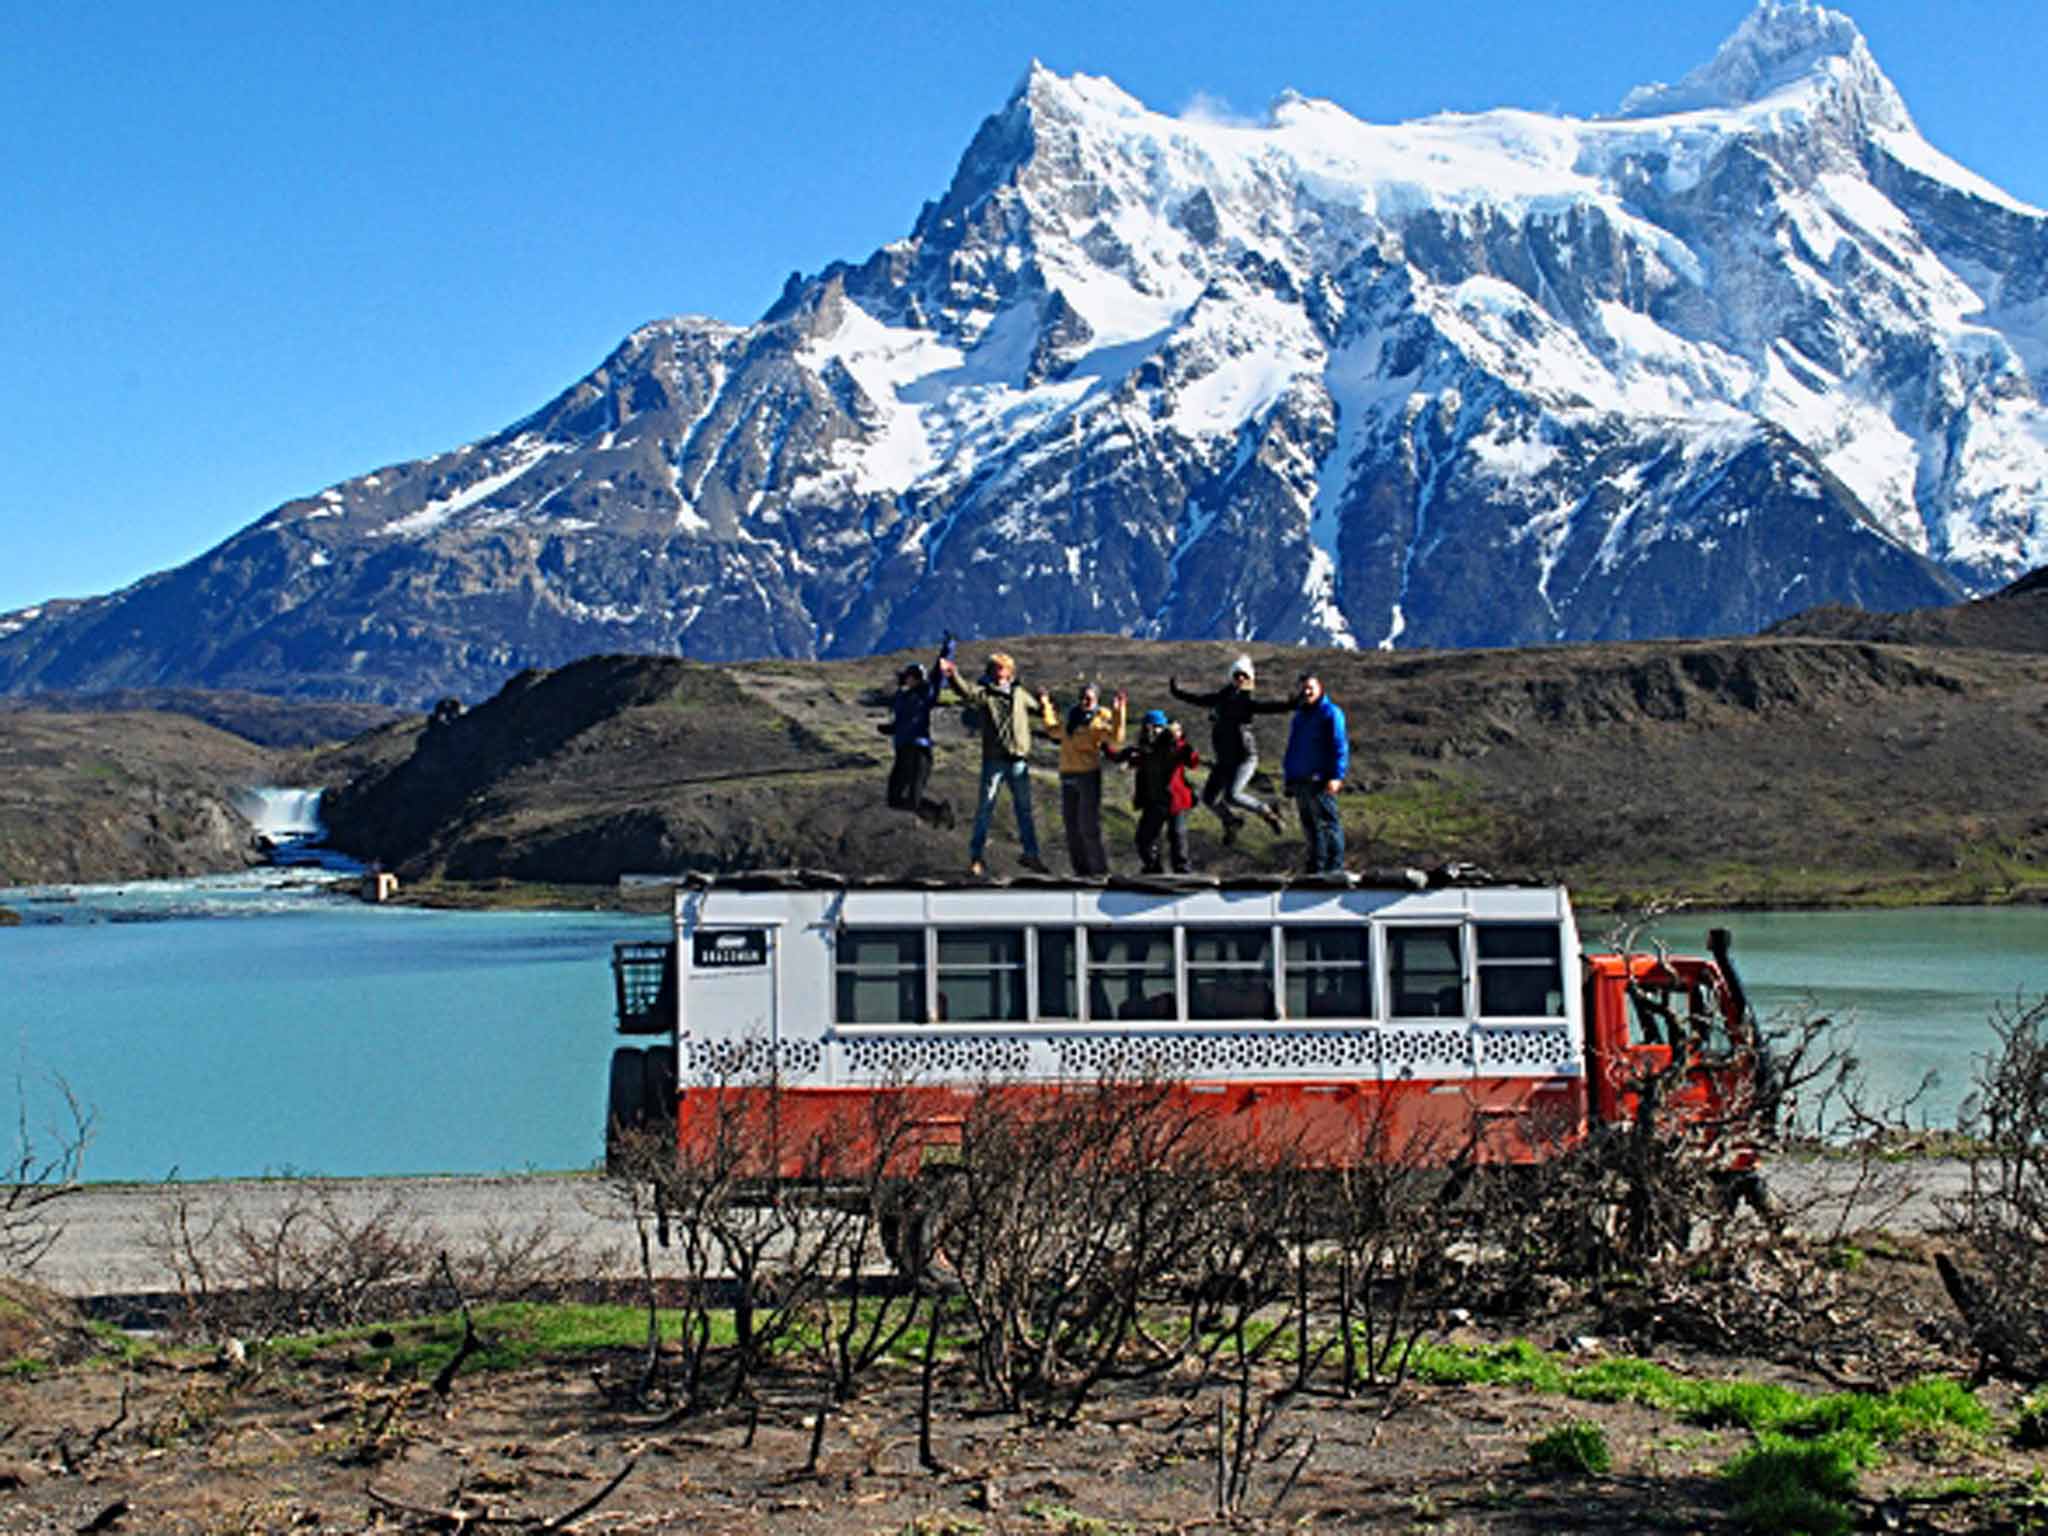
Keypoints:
pixel 1162 758
pixel 910 727
pixel 1006 708
pixel 1088 732
pixel 1231 709
pixel 1318 757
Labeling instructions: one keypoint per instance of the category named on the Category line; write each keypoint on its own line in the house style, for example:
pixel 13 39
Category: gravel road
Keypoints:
pixel 111 1238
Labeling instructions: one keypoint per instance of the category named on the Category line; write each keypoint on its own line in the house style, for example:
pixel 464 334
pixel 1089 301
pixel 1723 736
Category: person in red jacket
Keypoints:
pixel 1161 797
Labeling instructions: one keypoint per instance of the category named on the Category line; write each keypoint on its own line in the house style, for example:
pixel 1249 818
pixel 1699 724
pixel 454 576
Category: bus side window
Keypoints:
pixel 1709 1024
pixel 1521 970
pixel 981 975
pixel 880 976
pixel 1058 996
pixel 1131 974
pixel 1329 972
pixel 1230 973
pixel 1427 966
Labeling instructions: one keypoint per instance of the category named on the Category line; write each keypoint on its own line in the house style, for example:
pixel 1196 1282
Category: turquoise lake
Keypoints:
pixel 258 1025
pixel 222 1028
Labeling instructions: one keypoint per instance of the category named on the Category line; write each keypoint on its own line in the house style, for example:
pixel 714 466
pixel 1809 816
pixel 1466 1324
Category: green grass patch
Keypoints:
pixel 1517 1363
pixel 1421 815
pixel 1578 1448
pixel 510 1335
pixel 1761 1407
pixel 1787 1487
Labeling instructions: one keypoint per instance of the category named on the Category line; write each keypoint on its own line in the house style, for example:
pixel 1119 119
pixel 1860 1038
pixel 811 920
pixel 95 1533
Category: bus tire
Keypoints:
pixel 658 1103
pixel 903 1242
pixel 625 1105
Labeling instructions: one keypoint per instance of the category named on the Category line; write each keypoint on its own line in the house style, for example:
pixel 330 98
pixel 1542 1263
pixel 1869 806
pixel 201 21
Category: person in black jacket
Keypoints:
pixel 1231 709
pixel 909 727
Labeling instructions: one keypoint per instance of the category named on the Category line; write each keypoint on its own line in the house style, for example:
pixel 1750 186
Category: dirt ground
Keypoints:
pixel 197 1441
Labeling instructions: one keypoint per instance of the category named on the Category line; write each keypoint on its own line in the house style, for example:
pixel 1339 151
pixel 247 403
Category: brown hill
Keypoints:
pixel 2014 618
pixel 258 717
pixel 121 796
pixel 1777 769
pixel 142 784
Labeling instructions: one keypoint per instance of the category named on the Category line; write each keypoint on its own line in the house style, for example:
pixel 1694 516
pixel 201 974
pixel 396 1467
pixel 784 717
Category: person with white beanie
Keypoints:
pixel 1231 710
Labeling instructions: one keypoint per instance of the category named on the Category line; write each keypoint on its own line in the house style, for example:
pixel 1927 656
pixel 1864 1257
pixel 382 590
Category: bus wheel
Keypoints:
pixel 1746 1188
pixel 658 1101
pixel 625 1106
pixel 906 1241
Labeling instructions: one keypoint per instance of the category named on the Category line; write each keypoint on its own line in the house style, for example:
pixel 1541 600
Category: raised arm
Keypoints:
pixel 1206 700
pixel 1049 718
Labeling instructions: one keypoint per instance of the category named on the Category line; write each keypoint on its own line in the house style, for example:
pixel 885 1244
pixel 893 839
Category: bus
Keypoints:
pixel 1342 1019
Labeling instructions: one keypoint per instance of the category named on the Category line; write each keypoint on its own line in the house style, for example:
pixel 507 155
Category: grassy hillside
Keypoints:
pixel 1779 769
pixel 1845 757
pixel 120 796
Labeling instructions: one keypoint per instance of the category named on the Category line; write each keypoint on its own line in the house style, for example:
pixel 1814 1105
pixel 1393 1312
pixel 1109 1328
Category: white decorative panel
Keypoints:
pixel 1516 1050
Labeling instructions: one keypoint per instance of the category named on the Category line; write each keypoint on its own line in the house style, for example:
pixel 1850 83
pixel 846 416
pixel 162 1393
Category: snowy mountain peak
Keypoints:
pixel 1041 91
pixel 1782 44
pixel 1477 379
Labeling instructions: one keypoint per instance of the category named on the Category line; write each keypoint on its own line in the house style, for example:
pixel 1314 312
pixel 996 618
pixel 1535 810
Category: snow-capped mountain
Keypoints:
pixel 1749 345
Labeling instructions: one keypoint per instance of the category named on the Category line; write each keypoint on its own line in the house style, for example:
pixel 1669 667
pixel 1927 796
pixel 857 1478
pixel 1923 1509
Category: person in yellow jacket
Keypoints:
pixel 1084 736
pixel 1007 711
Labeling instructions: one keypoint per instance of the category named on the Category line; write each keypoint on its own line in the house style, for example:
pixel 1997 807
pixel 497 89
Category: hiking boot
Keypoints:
pixel 1035 864
pixel 946 814
pixel 1229 833
pixel 978 869
pixel 1273 819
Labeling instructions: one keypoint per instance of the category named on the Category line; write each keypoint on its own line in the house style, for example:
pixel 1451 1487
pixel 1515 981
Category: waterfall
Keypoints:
pixel 287 819
pixel 282 814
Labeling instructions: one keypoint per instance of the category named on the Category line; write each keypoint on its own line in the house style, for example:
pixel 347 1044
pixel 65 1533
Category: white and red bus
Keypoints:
pixel 1457 1015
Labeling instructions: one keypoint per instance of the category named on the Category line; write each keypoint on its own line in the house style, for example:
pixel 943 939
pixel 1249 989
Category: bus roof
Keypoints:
pixel 1443 877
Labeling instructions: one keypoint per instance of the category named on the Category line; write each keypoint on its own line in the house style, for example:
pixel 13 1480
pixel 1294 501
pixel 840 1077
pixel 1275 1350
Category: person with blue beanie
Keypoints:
pixel 1161 797
pixel 1318 757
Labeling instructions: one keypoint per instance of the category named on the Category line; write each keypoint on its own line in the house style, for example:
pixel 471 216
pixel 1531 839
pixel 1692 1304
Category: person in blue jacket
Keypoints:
pixel 1318 757
pixel 909 726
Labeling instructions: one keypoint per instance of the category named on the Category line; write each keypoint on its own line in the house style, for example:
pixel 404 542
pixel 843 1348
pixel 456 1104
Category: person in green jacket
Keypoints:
pixel 1007 710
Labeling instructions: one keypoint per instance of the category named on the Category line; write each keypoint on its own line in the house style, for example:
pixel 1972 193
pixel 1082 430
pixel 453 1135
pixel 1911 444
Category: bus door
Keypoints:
pixel 1646 1014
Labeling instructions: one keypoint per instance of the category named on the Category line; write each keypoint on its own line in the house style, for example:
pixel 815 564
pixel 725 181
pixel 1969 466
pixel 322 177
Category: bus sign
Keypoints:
pixel 729 949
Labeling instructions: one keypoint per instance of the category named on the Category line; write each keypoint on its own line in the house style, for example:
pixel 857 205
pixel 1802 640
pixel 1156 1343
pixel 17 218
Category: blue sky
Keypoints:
pixel 252 249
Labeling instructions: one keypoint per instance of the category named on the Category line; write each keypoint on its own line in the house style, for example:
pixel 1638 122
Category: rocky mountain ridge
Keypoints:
pixel 1749 346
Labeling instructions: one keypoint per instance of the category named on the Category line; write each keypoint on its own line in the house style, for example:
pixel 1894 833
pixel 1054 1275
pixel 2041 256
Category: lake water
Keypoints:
pixel 261 1024
pixel 1919 986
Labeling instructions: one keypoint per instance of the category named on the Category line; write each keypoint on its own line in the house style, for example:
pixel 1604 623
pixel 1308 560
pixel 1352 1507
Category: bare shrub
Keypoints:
pixel 1075 1206
pixel 1999 1275
pixel 1388 1216
pixel 747 1237
pixel 43 1171
pixel 311 1254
